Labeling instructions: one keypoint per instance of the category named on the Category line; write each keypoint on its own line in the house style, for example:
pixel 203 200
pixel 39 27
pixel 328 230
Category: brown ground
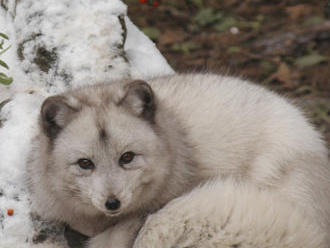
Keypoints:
pixel 283 44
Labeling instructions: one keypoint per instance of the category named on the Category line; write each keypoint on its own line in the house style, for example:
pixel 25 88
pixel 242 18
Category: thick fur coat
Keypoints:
pixel 178 132
pixel 229 215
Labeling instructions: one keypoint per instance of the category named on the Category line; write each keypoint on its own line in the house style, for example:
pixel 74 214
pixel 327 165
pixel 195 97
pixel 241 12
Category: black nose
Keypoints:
pixel 112 204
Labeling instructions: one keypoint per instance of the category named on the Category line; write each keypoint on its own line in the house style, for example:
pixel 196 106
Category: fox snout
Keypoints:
pixel 112 204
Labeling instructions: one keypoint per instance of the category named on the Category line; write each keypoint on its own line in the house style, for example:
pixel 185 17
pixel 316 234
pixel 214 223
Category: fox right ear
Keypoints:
pixel 56 113
pixel 140 100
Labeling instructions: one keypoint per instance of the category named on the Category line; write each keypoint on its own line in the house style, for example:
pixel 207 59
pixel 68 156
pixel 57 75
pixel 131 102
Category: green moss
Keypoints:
pixel 44 59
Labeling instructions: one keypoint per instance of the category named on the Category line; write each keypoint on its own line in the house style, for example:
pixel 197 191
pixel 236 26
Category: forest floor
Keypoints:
pixel 282 44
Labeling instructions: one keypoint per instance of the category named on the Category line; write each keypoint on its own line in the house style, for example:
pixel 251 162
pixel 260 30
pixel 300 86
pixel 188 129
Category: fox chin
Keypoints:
pixel 107 156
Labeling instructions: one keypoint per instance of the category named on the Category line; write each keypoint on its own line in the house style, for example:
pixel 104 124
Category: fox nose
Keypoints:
pixel 112 204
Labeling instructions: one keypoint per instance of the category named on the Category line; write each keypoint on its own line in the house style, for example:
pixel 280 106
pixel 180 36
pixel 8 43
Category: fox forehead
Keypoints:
pixel 110 130
pixel 99 95
pixel 94 105
pixel 99 103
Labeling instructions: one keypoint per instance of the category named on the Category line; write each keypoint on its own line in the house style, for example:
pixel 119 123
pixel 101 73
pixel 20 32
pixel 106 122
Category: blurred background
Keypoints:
pixel 282 44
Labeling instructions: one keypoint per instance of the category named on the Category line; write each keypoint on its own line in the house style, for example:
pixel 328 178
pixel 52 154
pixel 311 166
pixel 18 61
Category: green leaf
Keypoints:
pixel 260 18
pixel 207 17
pixel 234 49
pixel 4 36
pixel 152 33
pixel 3 64
pixel 255 25
pixel 313 20
pixel 3 103
pixel 4 50
pixel 4 79
pixel 267 67
pixel 310 60
pixel 198 3
pixel 304 90
pixel 228 22
pixel 185 47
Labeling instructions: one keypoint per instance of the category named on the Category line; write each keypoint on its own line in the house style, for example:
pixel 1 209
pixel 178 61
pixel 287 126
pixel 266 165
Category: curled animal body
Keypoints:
pixel 106 156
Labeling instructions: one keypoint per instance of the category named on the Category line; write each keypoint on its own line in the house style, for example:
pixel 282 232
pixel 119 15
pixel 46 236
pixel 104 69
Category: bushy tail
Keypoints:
pixel 227 215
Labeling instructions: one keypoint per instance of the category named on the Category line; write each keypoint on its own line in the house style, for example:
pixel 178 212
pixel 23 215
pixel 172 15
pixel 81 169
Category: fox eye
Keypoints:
pixel 126 158
pixel 85 164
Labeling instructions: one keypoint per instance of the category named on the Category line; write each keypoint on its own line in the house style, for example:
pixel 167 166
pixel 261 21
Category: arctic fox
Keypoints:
pixel 106 156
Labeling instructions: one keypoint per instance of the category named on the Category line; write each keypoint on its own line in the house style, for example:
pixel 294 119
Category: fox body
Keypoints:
pixel 108 155
pixel 224 214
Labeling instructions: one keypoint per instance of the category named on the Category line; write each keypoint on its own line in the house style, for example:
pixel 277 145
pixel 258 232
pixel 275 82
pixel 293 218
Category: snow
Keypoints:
pixel 85 32
pixel 87 38
pixel 145 60
pixel 15 136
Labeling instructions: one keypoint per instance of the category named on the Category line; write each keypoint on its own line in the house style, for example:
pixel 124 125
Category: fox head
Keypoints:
pixel 106 153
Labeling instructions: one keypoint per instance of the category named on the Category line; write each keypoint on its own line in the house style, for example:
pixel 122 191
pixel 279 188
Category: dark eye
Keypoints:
pixel 85 164
pixel 126 158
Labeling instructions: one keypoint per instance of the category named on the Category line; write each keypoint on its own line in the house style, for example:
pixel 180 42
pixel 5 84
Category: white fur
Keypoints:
pixel 247 132
pixel 227 215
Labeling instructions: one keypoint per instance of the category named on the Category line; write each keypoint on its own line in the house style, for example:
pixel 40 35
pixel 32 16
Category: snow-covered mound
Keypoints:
pixel 56 45
pixel 65 43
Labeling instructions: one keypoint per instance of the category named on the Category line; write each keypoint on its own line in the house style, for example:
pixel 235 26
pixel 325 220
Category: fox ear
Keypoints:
pixel 139 99
pixel 56 113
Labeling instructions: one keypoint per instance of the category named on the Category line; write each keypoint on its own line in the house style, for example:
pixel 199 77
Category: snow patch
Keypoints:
pixel 144 58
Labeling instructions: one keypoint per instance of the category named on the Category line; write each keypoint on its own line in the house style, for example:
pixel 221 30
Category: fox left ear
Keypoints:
pixel 56 113
pixel 139 99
